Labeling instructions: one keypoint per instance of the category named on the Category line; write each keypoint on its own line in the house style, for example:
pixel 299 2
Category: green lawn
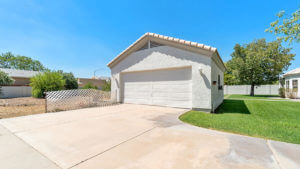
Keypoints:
pixel 242 97
pixel 276 120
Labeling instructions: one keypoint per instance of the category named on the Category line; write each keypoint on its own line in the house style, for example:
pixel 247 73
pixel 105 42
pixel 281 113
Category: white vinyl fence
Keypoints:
pixel 258 90
pixel 77 99
pixel 15 91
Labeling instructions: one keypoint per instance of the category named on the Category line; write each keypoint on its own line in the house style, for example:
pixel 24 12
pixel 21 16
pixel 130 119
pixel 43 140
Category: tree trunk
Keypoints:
pixel 252 90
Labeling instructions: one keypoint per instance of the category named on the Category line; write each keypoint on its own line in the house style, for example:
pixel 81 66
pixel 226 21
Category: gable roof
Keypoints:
pixel 19 73
pixel 293 72
pixel 170 41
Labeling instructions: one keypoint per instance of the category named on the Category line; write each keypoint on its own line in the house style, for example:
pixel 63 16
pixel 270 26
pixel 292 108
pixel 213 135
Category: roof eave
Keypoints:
pixel 175 42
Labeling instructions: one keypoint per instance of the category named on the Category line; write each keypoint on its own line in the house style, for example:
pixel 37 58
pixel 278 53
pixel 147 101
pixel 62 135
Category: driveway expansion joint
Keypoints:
pixel 30 146
pixel 274 153
pixel 117 145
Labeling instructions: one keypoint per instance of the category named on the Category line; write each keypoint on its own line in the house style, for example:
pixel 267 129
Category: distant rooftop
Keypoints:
pixel 293 72
pixel 19 73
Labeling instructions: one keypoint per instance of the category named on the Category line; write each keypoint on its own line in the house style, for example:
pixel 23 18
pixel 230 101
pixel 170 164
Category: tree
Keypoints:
pixel 287 25
pixel 231 74
pixel 106 86
pixel 259 62
pixel 8 60
pixel 47 81
pixel 5 80
pixel 71 81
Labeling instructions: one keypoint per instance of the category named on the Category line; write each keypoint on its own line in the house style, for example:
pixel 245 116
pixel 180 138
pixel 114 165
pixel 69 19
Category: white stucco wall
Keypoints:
pixel 217 95
pixel 290 79
pixel 163 57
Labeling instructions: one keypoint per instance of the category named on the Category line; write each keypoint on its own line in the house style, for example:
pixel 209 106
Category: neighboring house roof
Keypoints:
pixel 188 45
pixel 104 78
pixel 101 78
pixel 293 72
pixel 19 73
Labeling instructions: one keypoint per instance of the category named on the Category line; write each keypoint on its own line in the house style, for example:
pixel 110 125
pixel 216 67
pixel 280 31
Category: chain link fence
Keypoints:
pixel 77 99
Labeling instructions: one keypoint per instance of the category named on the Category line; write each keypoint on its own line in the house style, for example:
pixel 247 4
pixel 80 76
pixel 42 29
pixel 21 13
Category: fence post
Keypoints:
pixel 45 102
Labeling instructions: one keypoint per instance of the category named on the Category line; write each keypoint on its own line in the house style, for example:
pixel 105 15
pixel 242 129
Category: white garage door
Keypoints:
pixel 170 87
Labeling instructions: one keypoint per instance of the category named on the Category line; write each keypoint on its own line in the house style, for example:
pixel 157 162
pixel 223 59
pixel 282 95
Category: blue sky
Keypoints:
pixel 81 36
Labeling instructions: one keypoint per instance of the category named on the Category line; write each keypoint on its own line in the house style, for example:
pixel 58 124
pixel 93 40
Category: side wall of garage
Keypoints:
pixel 217 95
pixel 166 57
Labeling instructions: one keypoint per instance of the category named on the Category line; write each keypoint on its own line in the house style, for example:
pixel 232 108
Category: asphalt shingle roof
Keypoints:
pixel 167 38
pixel 19 73
pixel 293 72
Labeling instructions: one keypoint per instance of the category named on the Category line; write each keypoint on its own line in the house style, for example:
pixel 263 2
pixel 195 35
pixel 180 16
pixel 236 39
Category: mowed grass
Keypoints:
pixel 242 97
pixel 276 120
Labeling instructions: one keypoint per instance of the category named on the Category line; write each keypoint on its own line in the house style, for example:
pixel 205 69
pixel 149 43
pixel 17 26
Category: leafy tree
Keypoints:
pixel 106 86
pixel 89 85
pixel 287 25
pixel 259 62
pixel 47 81
pixel 5 80
pixel 8 60
pixel 71 81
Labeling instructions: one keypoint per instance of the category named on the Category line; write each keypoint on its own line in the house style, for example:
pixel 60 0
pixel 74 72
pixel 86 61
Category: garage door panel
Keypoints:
pixel 161 87
pixel 182 88
pixel 177 96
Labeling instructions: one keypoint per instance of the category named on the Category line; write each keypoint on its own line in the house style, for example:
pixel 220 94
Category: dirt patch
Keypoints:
pixel 21 106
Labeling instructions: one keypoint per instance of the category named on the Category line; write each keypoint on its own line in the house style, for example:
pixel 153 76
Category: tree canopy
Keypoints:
pixel 287 25
pixel 257 63
pixel 5 80
pixel 71 81
pixel 11 61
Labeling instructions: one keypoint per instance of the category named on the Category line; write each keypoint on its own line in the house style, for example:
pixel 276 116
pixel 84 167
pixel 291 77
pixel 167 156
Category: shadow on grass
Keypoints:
pixel 233 106
pixel 261 95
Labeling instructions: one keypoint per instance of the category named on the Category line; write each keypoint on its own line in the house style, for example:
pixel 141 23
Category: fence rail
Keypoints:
pixel 76 99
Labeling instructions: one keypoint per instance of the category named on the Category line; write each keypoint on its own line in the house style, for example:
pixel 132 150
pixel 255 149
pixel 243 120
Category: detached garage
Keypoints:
pixel 165 71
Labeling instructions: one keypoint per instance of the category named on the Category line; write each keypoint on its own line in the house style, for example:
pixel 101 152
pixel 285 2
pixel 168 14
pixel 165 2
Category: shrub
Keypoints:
pixel 106 86
pixel 44 82
pixel 291 93
pixel 89 85
pixel 282 92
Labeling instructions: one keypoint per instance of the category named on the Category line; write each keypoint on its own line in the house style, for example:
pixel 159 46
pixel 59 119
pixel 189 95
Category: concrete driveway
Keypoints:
pixel 132 136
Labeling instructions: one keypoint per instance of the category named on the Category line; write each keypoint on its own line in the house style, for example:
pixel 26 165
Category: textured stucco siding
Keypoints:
pixel 165 57
pixel 291 78
pixel 217 95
